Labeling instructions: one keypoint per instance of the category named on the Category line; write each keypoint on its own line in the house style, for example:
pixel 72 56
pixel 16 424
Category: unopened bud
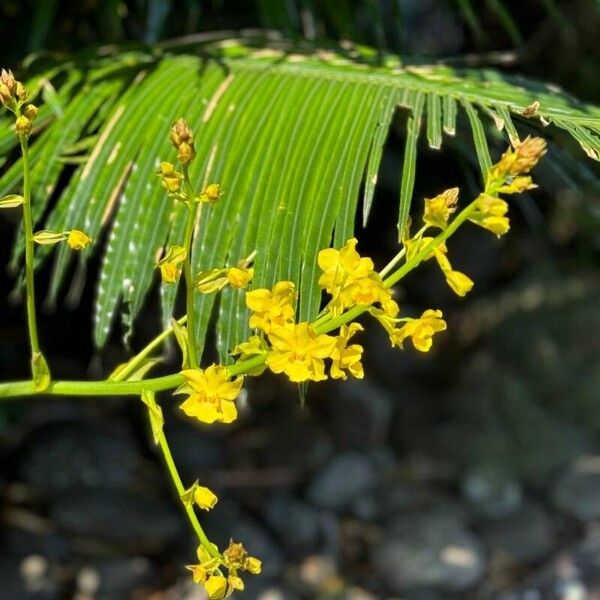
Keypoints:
pixel 528 153
pixel 22 93
pixel 23 126
pixel 8 79
pixel 31 112
pixel 5 95
pixel 182 138
pixel 211 193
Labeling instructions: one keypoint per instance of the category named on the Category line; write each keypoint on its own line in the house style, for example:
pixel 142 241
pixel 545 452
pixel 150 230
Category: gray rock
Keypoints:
pixel 428 550
pixel 114 577
pixel 525 536
pixel 67 454
pixel 578 494
pixel 296 523
pixel 342 481
pixel 27 579
pixel 360 415
pixel 137 521
pixel 490 493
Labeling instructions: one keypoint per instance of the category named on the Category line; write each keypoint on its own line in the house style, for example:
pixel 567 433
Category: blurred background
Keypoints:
pixel 470 472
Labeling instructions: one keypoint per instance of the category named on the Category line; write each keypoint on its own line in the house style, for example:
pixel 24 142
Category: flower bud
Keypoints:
pixel 211 193
pixel 23 126
pixel 31 112
pixel 21 92
pixel 8 79
pixel 182 139
pixel 528 153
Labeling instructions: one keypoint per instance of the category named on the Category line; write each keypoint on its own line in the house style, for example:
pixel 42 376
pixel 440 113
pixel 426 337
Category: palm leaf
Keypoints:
pixel 290 137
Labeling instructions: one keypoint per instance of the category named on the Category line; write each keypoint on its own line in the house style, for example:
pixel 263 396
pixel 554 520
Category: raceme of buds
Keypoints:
pixel 182 139
pixel 12 92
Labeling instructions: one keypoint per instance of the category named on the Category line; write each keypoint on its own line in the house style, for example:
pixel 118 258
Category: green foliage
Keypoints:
pixel 290 137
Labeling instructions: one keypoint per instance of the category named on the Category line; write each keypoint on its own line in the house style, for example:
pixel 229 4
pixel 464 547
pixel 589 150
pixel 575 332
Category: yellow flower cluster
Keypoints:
pixel 296 349
pixel 350 279
pixel 209 570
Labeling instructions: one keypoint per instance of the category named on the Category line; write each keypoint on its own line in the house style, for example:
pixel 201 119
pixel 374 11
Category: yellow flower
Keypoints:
pixel 459 282
pixel 170 178
pixel 204 498
pixel 234 556
pixel 420 330
pixel 253 565
pixel 341 265
pixel 239 277
pixel 271 308
pixel 169 264
pixel 347 357
pixel 490 213
pixel 299 352
pixel 438 209
pixel 211 194
pixel 78 240
pixel 206 565
pixel 216 587
pixel 350 278
pixel 211 394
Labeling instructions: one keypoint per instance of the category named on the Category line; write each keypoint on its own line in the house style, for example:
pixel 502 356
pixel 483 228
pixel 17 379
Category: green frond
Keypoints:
pixel 292 139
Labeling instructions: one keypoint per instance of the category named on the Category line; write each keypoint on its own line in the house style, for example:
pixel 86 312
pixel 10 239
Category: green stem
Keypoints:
pixel 174 473
pixel 29 249
pixel 135 361
pixel 189 284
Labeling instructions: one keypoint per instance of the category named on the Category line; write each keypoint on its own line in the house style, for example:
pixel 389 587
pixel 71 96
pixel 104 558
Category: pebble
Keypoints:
pixel 67 454
pixel 343 480
pixel 490 493
pixel 525 536
pixel 137 521
pixel 296 524
pixel 428 550
pixel 360 415
pixel 577 492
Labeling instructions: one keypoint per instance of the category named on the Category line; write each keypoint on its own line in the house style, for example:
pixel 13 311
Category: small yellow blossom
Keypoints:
pixel 170 178
pixel 350 278
pixel 239 277
pixel 460 283
pixel 204 497
pixel 272 308
pixel 438 209
pixel 347 358
pixel 341 265
pixel 169 264
pixel 298 351
pixel 216 587
pixel 211 194
pixel 253 565
pixel 420 330
pixel 78 240
pixel 211 394
pixel 490 213
pixel 205 567
pixel 234 556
